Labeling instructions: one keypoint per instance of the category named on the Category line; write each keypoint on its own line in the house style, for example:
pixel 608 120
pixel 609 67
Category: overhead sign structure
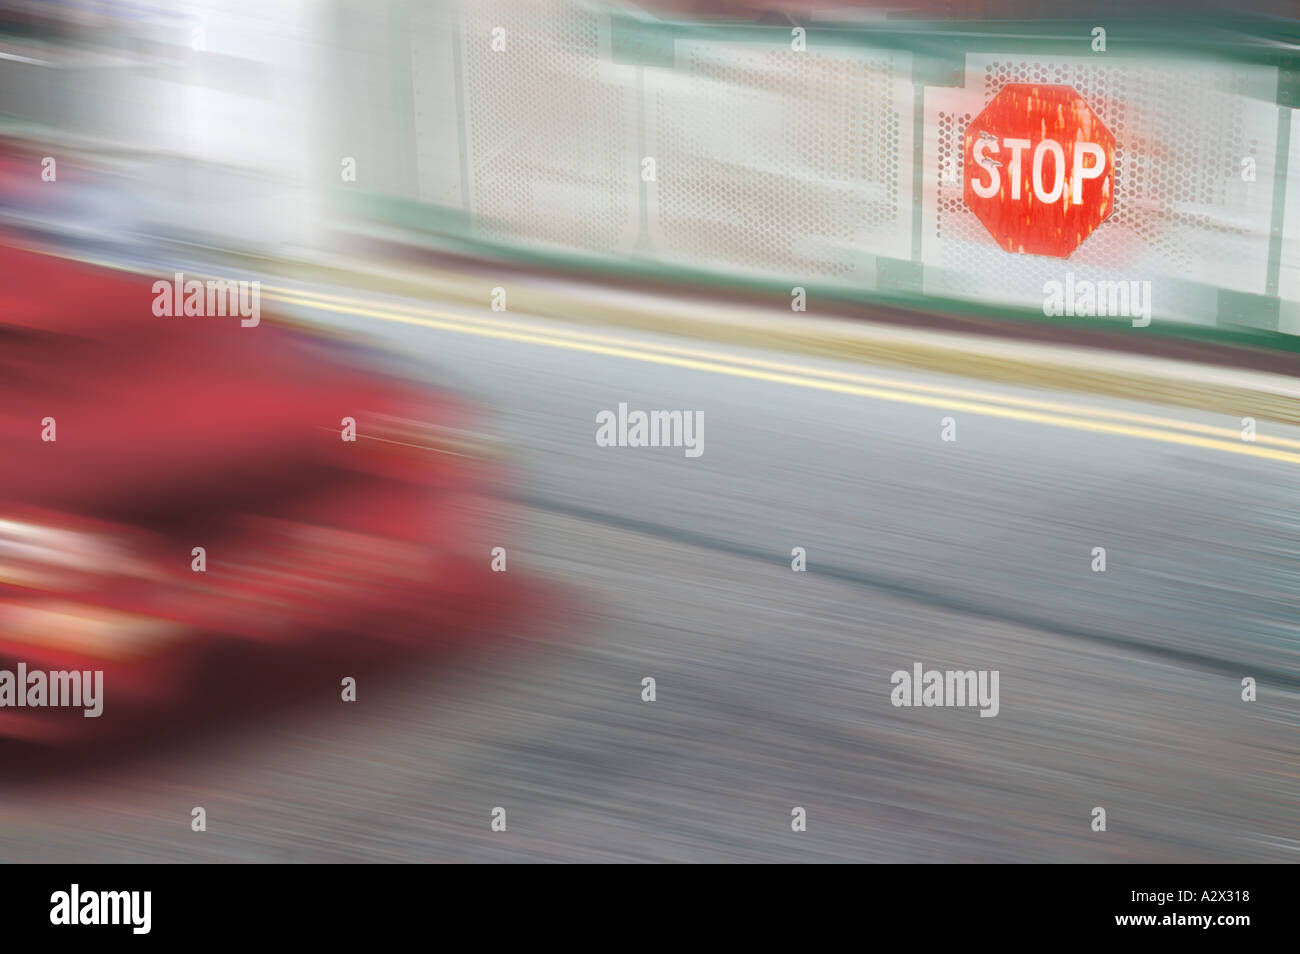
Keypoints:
pixel 1039 169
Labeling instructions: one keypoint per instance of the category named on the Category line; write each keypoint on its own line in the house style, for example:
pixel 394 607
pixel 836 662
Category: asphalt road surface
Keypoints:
pixel 1118 689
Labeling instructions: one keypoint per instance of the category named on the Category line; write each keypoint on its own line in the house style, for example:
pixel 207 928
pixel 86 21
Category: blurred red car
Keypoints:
pixel 171 434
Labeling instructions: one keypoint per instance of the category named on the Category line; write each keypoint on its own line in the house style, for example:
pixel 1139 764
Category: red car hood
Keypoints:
pixel 150 411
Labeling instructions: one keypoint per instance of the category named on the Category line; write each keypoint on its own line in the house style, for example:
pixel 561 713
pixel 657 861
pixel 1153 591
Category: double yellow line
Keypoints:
pixel 988 403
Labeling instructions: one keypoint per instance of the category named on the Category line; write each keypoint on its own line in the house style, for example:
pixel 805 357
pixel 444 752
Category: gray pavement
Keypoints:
pixel 1118 689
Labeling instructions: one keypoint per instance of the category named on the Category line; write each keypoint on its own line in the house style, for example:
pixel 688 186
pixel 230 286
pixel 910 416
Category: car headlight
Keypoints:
pixel 42 556
pixel 95 631
pixel 50 575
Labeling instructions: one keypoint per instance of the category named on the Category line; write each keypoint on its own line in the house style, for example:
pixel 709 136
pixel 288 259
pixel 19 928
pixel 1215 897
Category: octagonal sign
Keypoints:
pixel 1039 169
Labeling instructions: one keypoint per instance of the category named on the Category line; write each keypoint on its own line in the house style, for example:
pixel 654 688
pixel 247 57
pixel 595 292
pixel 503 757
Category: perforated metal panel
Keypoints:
pixel 780 162
pixel 1289 271
pixel 1183 217
pixel 551 127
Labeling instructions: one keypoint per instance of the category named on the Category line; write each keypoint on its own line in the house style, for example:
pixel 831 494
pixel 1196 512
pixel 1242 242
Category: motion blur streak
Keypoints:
pixel 451 322
pixel 561 338
pixel 464 261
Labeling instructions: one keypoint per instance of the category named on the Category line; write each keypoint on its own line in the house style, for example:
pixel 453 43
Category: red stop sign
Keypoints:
pixel 1039 169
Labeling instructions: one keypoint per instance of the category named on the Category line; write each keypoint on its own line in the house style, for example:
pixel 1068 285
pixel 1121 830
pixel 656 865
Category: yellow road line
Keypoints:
pixel 806 377
pixel 853 377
